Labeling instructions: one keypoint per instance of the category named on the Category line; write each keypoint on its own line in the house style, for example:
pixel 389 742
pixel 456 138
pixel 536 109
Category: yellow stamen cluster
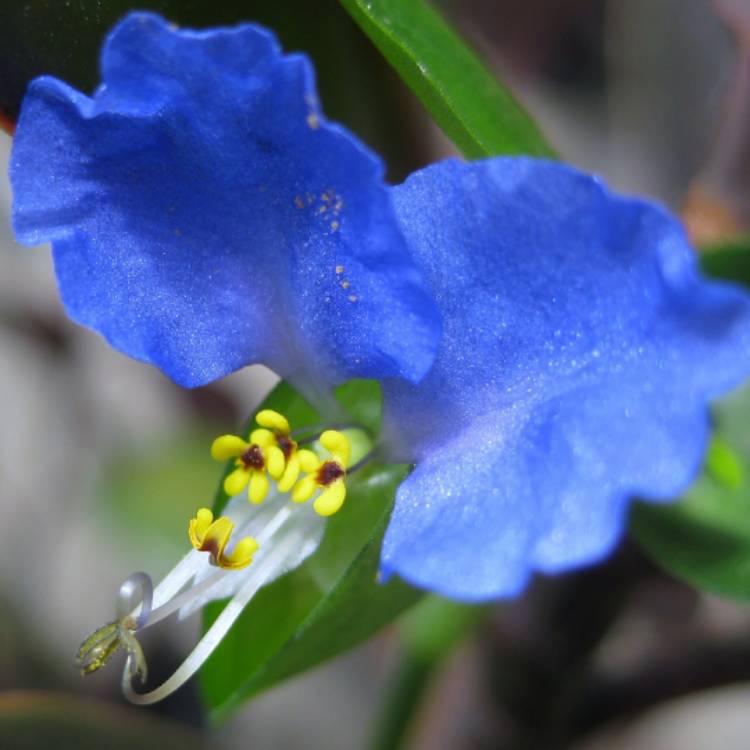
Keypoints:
pixel 276 432
pixel 328 475
pixel 212 536
pixel 270 451
pixel 267 452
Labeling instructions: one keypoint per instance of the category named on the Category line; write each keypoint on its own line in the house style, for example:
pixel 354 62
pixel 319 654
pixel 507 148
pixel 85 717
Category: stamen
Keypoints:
pixel 252 458
pixel 212 536
pixel 286 446
pixel 185 597
pixel 329 472
pixel 326 476
pixel 107 640
pixel 273 421
pixel 190 598
pixel 98 648
pixel 270 450
pixel 293 546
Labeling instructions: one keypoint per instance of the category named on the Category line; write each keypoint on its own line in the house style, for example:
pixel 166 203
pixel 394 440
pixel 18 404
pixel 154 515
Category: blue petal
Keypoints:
pixel 581 346
pixel 204 215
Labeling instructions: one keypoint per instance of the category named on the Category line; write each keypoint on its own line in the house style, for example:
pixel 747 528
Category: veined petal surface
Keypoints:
pixel 204 215
pixel 581 347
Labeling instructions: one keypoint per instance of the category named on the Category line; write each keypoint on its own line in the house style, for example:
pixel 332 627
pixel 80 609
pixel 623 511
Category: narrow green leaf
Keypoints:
pixel 331 602
pixel 705 538
pixel 479 114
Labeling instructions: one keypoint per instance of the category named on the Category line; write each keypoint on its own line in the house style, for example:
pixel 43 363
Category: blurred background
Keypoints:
pixel 103 460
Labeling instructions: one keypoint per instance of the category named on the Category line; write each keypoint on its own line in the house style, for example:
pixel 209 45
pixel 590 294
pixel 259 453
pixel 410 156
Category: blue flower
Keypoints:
pixel 204 215
pixel 580 348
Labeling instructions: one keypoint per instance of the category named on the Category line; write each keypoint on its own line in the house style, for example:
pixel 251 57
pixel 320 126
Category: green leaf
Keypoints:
pixel 331 602
pixel 730 261
pixel 476 112
pixel 705 538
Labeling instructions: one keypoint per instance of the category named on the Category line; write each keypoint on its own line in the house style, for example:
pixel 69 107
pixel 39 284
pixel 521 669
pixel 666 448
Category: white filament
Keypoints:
pixel 286 551
pixel 207 577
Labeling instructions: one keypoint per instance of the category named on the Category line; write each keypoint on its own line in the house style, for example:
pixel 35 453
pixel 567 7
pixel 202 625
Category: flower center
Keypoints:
pixel 252 458
pixel 329 472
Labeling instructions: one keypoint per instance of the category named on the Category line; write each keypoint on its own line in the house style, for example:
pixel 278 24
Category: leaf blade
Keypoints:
pixel 479 114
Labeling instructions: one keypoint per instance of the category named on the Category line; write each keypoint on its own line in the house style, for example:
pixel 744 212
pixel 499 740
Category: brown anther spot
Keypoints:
pixel 287 445
pixel 209 545
pixel 329 472
pixel 130 623
pixel 252 458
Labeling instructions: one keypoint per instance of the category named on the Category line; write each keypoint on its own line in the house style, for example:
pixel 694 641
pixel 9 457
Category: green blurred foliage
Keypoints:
pixel 149 492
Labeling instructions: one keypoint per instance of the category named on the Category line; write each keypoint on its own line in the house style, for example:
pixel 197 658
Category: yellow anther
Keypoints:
pixel 291 473
pixel 228 446
pixel 252 461
pixel 236 482
pixel 199 525
pixel 274 421
pixel 258 487
pixel 337 445
pixel 242 554
pixel 275 461
pixel 308 461
pixel 262 437
pixel 304 489
pixel 327 476
pixel 212 536
pixel 279 449
pixel 331 499
pixel 270 450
